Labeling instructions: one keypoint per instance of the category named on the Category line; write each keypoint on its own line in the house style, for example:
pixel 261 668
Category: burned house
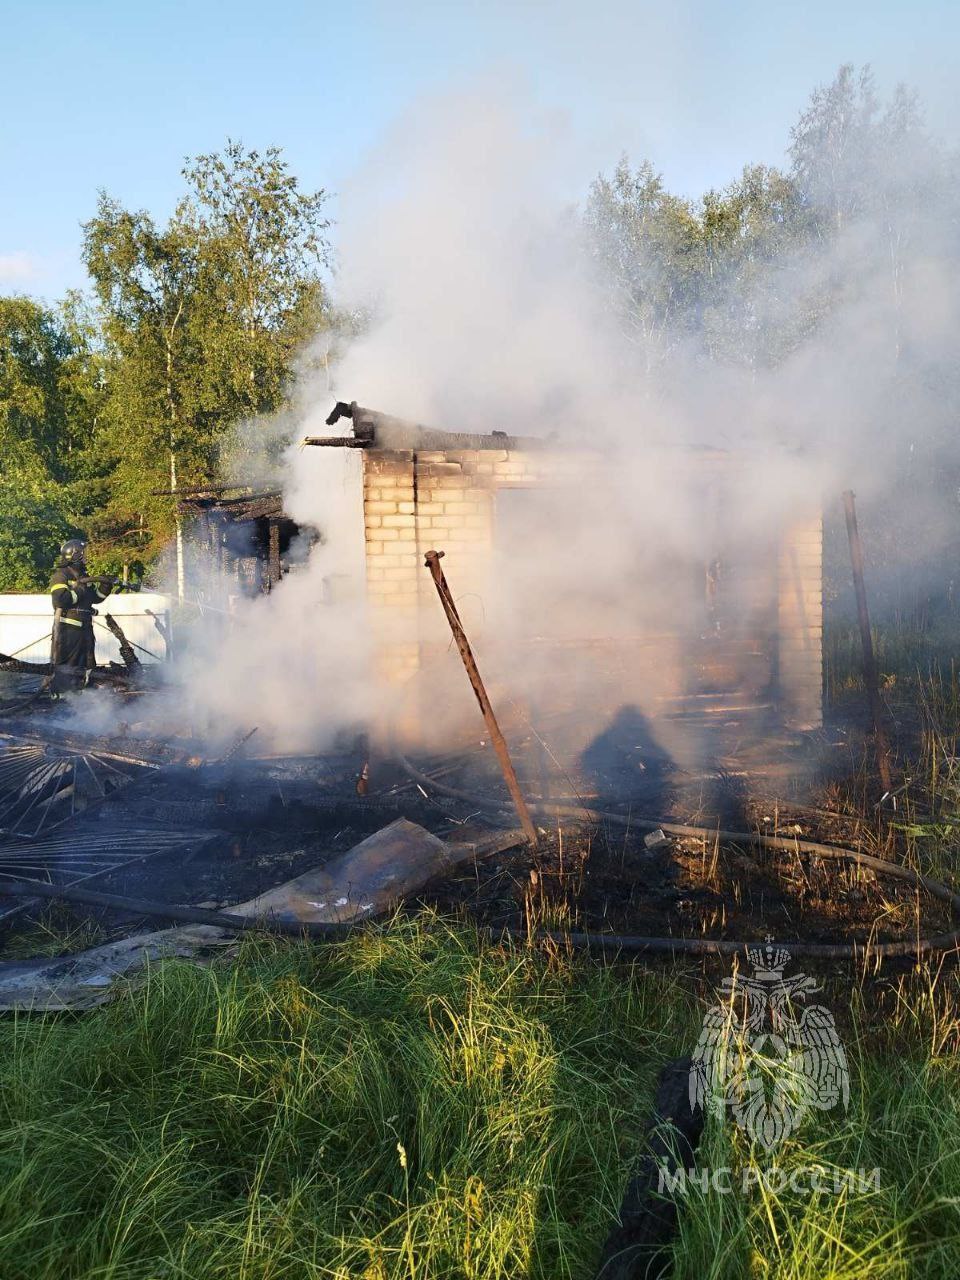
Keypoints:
pixel 244 534
pixel 726 627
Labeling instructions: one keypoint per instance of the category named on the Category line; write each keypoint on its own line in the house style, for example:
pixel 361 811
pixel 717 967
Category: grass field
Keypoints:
pixel 417 1103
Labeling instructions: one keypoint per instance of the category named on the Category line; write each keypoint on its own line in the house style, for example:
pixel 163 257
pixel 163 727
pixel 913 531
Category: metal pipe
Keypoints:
pixel 469 662
pixel 866 639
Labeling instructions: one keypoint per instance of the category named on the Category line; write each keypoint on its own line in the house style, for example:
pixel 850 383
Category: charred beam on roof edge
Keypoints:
pixel 337 442
pixel 372 428
pixel 254 506
pixel 218 487
pixel 341 410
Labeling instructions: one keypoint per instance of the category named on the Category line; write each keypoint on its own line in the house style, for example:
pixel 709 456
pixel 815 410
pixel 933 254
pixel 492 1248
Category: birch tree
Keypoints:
pixel 146 281
pixel 203 321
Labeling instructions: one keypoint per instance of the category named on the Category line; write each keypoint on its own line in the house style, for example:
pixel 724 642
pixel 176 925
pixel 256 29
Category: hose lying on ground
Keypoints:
pixel 635 943
pixel 606 942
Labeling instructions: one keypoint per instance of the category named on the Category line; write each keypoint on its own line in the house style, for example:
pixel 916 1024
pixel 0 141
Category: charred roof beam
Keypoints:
pixel 380 430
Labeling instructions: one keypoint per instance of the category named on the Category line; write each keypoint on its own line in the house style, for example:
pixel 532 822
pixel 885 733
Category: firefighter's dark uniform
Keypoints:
pixel 73 603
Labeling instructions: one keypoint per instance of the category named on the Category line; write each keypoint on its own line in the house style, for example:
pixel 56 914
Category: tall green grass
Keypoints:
pixel 905 655
pixel 416 1103
pixel 903 1122
pixel 409 1103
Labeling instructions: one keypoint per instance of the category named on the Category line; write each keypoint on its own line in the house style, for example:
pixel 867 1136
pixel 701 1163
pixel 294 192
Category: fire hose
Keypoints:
pixel 636 943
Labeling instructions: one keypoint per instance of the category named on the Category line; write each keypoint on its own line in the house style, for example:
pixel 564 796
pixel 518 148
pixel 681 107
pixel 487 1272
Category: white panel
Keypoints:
pixel 26 621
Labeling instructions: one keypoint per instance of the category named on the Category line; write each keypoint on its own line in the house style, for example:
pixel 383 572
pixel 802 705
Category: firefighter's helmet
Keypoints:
pixel 73 551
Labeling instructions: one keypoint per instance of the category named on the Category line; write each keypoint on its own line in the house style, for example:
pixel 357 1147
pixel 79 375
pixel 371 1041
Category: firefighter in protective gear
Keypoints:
pixel 74 596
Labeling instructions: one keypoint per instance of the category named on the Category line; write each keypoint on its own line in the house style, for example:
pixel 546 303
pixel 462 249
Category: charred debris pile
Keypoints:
pixel 29 686
pixel 138 836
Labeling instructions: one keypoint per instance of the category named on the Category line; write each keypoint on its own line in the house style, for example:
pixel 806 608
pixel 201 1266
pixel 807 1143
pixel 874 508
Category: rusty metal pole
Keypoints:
pixel 866 639
pixel 469 662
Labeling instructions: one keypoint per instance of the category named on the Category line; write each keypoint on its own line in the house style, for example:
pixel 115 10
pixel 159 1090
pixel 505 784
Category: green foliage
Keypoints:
pixel 746 275
pixel 707 272
pixel 837 146
pixel 34 520
pixel 648 245
pixel 754 233
pixel 851 153
pixel 145 282
pixel 202 321
pixel 185 353
pixel 38 418
pixel 260 240
pixel 48 400
pixel 51 390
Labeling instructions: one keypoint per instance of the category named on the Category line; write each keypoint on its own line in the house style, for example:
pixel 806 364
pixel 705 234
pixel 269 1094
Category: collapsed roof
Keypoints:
pixel 245 502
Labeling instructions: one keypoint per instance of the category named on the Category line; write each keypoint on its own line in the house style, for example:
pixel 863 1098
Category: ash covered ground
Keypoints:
pixel 160 820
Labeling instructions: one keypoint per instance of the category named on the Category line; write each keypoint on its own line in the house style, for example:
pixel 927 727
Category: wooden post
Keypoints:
pixel 866 639
pixel 130 659
pixel 274 552
pixel 469 662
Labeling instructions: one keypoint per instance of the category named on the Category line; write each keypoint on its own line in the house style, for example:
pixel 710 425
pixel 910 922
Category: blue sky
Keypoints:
pixel 98 93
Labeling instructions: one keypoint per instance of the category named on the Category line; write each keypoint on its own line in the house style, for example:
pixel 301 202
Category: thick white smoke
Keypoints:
pixel 294 662
pixel 488 311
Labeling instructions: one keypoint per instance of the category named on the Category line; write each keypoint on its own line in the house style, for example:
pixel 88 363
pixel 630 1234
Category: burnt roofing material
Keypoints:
pixel 248 506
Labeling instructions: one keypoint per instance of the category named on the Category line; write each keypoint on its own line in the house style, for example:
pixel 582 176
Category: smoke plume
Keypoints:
pixel 819 356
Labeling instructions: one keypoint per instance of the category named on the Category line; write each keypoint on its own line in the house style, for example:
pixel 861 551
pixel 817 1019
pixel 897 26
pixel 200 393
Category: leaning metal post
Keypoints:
pixel 469 662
